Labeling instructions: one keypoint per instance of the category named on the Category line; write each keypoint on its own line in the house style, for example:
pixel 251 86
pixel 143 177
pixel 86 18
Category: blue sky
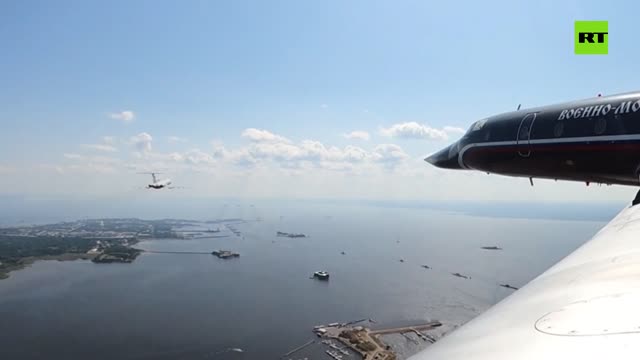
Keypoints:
pixel 207 71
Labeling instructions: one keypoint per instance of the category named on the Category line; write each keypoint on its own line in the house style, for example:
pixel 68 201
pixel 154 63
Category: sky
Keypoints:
pixel 287 99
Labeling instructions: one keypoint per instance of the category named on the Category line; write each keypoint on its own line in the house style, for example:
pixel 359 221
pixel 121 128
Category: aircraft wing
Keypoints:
pixel 587 306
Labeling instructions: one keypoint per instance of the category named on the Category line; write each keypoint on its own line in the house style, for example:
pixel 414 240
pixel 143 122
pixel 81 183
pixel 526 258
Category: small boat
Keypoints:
pixel 461 276
pixel 322 275
pixel 225 254
pixel 509 286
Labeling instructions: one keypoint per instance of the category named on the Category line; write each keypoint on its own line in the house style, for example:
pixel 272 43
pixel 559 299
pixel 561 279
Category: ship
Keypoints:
pixel 290 235
pixel 322 275
pixel 225 254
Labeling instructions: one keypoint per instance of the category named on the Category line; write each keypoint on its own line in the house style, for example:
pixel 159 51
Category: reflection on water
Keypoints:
pixel 198 306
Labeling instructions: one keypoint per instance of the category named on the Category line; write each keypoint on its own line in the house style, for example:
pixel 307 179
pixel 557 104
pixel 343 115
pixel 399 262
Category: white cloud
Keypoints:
pixel 268 146
pixel 125 116
pixel 273 151
pixel 108 140
pixel 100 147
pixel 257 135
pixel 413 130
pixel 357 135
pixel 107 145
pixel 176 139
pixel 142 142
pixel 272 165
pixel 241 157
pixel 176 157
pixel 355 154
pixel 73 156
pixel 453 130
pixel 196 156
pixel 315 153
pixel 389 154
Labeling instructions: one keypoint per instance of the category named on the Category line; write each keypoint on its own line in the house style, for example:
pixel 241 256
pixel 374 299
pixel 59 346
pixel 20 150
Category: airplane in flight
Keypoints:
pixel 158 184
pixel 587 305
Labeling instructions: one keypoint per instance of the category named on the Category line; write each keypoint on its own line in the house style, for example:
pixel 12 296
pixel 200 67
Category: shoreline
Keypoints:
pixel 28 261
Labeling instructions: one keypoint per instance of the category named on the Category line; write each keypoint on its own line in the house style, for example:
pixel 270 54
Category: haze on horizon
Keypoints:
pixel 286 99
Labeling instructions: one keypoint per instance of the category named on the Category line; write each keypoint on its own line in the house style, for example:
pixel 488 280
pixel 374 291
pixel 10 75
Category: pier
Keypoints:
pixel 178 252
pixel 298 348
pixel 404 329
pixel 223 254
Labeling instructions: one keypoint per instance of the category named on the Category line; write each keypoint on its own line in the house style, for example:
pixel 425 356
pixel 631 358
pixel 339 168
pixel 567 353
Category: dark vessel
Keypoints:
pixel 291 235
pixel 461 276
pixel 321 275
pixel 225 254
pixel 509 286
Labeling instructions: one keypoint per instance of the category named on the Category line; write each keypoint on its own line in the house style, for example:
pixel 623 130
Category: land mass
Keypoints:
pixel 99 240
pixel 117 254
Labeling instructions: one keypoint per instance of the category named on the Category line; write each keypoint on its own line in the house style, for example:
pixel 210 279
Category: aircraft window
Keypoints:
pixel 600 126
pixel 558 129
pixel 478 125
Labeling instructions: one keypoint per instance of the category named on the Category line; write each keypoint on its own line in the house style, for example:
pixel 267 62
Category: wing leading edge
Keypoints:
pixel 587 306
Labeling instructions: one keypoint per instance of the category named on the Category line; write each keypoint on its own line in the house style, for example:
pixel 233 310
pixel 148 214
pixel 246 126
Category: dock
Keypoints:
pixel 367 342
pixel 333 354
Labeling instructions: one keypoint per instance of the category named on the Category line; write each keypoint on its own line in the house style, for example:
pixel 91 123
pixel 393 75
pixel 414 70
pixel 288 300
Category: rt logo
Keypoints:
pixel 591 37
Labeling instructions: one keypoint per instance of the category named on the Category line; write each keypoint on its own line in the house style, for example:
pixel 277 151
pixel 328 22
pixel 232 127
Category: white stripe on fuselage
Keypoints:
pixel 546 141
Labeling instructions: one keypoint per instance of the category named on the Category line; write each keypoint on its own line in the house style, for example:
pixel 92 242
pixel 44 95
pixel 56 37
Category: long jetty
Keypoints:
pixel 414 328
pixel 298 348
pixel 178 252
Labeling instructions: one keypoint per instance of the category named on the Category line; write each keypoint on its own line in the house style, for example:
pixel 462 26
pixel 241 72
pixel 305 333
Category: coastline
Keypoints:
pixel 28 261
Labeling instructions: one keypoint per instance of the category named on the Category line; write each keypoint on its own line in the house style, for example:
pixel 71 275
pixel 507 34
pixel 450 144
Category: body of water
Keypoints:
pixel 166 306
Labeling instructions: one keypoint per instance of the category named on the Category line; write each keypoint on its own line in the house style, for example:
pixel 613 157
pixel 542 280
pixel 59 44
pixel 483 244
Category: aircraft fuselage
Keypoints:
pixel 593 140
pixel 159 184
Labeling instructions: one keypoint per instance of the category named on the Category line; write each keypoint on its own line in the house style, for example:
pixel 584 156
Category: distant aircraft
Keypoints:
pixel 158 184
pixel 586 305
